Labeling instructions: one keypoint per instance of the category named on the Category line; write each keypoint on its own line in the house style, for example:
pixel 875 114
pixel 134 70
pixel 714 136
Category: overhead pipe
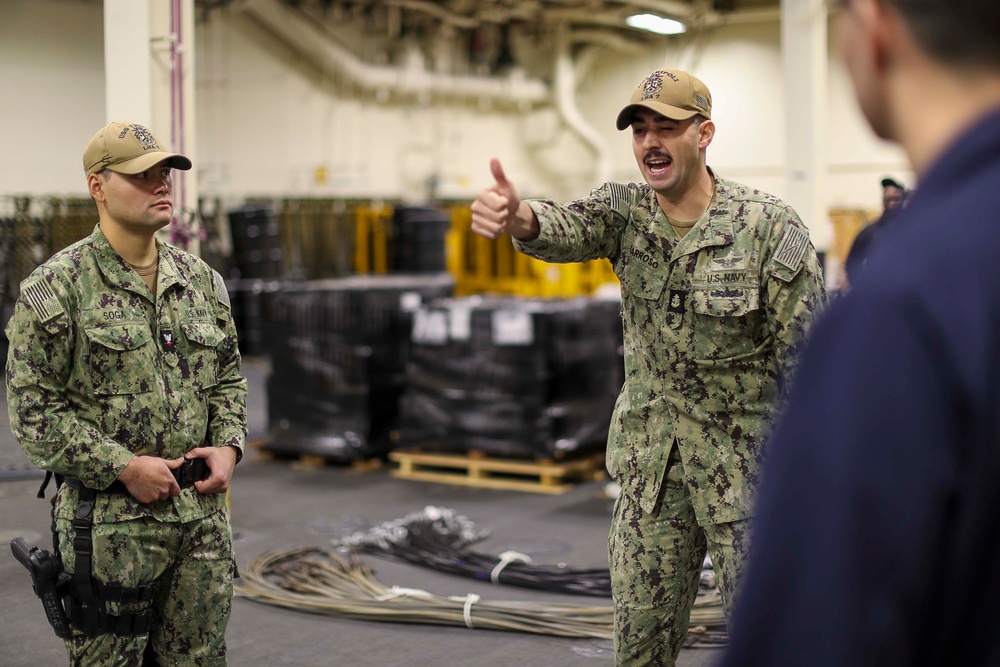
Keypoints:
pixel 437 11
pixel 177 120
pixel 670 8
pixel 311 40
pixel 565 94
pixel 740 17
pixel 606 38
pixel 693 17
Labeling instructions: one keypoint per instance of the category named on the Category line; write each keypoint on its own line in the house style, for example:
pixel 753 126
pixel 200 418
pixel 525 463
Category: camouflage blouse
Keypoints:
pixel 711 322
pixel 100 370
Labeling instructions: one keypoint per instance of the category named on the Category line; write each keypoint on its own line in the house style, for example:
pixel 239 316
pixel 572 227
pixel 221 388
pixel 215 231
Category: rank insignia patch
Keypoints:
pixel 677 298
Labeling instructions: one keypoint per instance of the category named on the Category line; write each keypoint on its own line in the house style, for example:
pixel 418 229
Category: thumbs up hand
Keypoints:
pixel 499 209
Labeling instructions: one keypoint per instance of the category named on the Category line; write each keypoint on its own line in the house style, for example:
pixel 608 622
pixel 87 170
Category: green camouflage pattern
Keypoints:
pixel 711 326
pixel 656 562
pixel 711 323
pixel 90 383
pixel 100 370
pixel 194 565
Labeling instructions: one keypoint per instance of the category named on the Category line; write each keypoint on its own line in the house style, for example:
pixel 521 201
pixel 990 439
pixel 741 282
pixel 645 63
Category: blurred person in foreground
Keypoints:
pixel 878 529
pixel 719 284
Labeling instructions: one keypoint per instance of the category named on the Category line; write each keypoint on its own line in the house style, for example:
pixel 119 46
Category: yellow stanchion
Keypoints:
pixel 479 265
pixel 372 231
pixel 847 222
pixel 381 227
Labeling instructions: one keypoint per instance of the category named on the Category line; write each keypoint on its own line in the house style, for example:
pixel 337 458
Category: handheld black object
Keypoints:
pixel 191 471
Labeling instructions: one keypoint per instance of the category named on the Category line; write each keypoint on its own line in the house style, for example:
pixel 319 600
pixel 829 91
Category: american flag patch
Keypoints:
pixel 41 300
pixel 222 294
pixel 618 194
pixel 793 245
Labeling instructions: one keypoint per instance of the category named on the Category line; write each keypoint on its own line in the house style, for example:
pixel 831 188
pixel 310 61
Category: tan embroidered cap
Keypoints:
pixel 670 92
pixel 128 148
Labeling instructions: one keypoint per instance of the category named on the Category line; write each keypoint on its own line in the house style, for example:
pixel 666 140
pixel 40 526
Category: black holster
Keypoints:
pixel 77 600
pixel 50 583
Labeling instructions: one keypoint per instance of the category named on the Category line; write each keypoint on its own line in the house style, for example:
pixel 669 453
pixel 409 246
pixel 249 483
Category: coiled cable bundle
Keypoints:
pixel 337 583
pixel 439 539
pixel 326 582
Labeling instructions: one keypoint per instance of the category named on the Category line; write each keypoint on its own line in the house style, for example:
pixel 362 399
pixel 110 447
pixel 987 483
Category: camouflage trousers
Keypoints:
pixel 656 560
pixel 193 566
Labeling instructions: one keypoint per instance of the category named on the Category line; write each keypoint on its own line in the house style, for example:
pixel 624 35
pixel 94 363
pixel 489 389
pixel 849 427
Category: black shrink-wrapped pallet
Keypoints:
pixel 338 353
pixel 257 251
pixel 511 377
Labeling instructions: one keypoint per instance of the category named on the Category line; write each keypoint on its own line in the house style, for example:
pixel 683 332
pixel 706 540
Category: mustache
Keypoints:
pixel 656 154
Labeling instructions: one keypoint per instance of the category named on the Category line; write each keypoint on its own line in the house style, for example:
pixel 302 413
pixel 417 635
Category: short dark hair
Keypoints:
pixel 957 32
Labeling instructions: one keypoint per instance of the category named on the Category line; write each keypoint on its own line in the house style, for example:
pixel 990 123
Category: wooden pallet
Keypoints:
pixel 479 470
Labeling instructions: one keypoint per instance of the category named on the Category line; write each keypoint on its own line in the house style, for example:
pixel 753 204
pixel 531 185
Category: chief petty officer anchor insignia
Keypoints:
pixel 677 297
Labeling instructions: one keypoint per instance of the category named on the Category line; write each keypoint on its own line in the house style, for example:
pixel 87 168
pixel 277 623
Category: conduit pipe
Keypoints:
pixel 606 38
pixel 741 17
pixel 310 40
pixel 668 8
pixel 565 93
pixel 177 120
pixel 438 12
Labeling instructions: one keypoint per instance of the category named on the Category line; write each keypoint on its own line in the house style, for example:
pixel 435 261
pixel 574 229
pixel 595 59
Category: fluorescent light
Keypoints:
pixel 657 24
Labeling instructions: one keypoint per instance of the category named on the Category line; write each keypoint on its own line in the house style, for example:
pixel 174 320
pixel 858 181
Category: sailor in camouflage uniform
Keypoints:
pixel 719 284
pixel 123 363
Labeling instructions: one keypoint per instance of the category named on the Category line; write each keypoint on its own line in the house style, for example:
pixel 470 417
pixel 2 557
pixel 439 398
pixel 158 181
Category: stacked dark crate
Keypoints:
pixel 338 353
pixel 256 238
pixel 512 377
pixel 256 266
pixel 418 244
pixel 247 296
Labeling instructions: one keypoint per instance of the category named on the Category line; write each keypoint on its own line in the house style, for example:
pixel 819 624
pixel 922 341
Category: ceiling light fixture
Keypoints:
pixel 657 24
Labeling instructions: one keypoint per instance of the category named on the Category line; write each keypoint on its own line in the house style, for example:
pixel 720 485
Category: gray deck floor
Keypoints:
pixel 281 505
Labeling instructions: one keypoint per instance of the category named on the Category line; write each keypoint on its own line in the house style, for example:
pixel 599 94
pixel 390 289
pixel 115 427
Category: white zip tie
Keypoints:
pixel 470 599
pixel 506 558
pixel 400 592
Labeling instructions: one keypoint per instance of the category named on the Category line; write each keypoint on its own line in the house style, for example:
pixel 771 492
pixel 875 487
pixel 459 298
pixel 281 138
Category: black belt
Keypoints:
pixel 189 472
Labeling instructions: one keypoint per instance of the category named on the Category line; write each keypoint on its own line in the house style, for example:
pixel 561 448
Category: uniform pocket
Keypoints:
pixel 642 292
pixel 727 322
pixel 199 360
pixel 118 358
pixel 726 301
pixel 642 282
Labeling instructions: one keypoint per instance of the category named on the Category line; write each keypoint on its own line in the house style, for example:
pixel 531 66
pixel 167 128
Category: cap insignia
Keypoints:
pixel 142 135
pixel 652 86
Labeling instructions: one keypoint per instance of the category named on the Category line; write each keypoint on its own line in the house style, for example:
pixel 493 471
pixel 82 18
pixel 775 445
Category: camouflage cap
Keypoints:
pixel 128 148
pixel 671 92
